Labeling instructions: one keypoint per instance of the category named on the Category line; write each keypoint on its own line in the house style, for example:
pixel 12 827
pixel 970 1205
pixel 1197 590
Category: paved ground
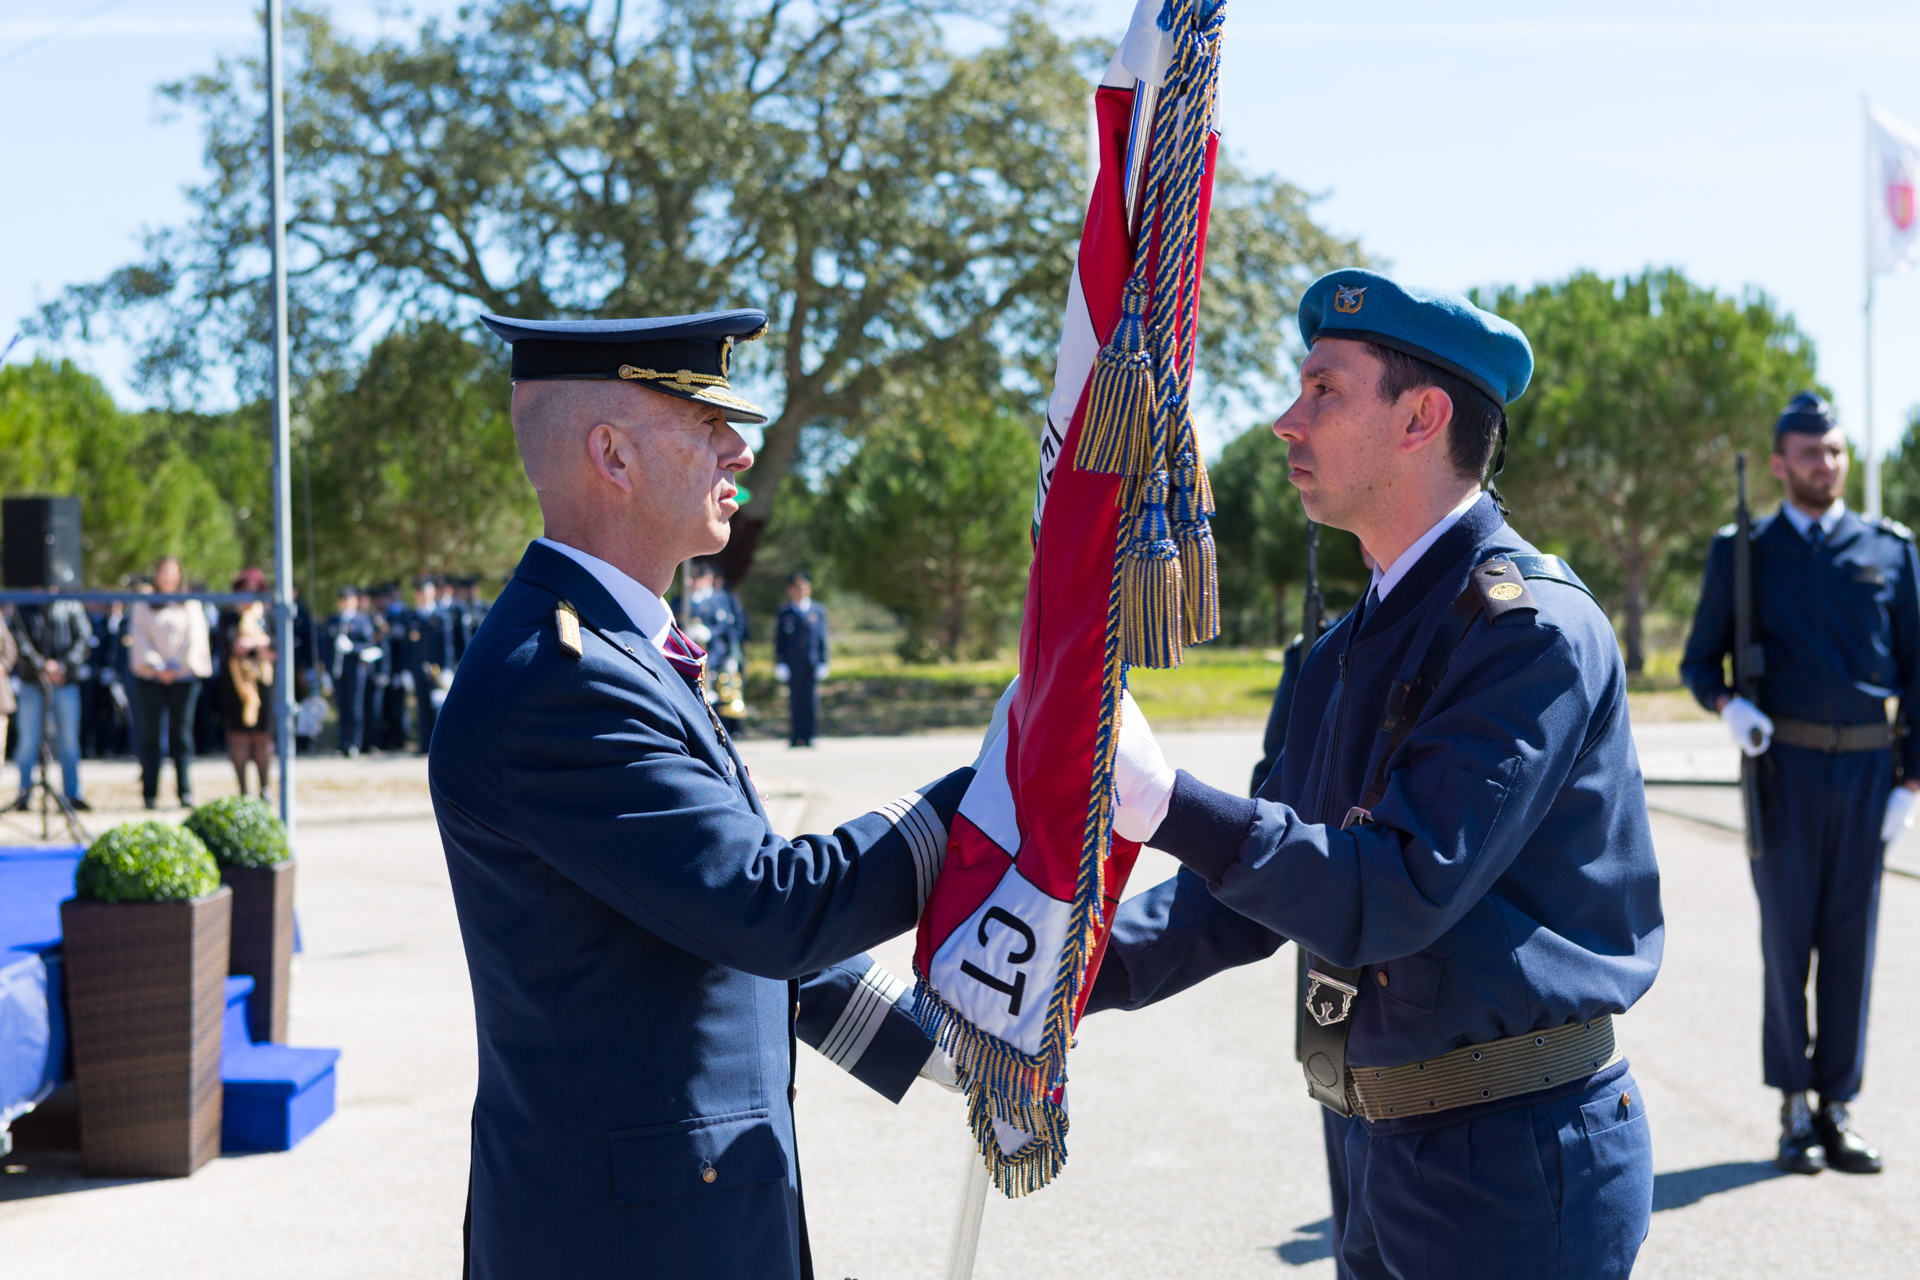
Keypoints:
pixel 1194 1151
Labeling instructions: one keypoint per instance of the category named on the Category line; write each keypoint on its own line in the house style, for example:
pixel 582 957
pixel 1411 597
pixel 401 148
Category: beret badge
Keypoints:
pixel 1347 300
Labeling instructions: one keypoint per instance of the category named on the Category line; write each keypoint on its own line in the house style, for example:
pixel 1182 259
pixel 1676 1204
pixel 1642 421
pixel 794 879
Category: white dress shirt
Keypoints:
pixel 649 613
pixel 1387 577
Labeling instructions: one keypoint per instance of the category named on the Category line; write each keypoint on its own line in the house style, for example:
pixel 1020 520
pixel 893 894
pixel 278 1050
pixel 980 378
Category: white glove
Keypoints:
pixel 997 723
pixel 1752 731
pixel 1142 778
pixel 1900 814
pixel 780 672
pixel 371 654
pixel 939 1069
pixel 343 644
pixel 820 672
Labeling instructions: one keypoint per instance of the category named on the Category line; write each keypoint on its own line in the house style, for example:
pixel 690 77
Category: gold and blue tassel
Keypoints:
pixel 1121 407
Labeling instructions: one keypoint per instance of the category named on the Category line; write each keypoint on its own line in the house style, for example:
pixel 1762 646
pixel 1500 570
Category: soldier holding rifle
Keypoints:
pixel 1819 610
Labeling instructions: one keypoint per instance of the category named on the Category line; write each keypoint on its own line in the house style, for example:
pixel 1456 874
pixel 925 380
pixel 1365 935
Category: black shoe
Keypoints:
pixel 1847 1151
pixel 1800 1147
pixel 151 803
pixel 79 806
pixel 186 801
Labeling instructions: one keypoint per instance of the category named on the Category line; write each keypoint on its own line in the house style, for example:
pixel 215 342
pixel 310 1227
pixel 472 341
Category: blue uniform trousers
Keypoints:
pixel 1333 1130
pixel 1561 1188
pixel 803 703
pixel 350 700
pixel 1819 890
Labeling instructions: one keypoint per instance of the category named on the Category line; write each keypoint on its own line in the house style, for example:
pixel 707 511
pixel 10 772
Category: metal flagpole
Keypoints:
pixel 282 417
pixel 965 1241
pixel 1866 152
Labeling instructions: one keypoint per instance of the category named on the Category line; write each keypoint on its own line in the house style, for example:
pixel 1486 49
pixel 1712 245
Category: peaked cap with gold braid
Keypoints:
pixel 684 356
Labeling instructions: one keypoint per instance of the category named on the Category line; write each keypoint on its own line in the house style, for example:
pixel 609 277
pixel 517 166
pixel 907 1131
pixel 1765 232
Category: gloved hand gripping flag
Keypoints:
pixel 1123 575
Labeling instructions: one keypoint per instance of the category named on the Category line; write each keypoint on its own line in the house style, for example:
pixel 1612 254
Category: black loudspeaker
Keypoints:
pixel 40 542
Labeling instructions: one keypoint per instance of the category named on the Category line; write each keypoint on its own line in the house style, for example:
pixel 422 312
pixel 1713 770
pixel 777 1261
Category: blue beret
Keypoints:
pixel 1441 328
pixel 684 356
pixel 1806 412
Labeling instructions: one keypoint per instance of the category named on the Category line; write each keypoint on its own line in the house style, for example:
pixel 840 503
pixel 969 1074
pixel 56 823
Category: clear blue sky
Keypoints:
pixel 1470 144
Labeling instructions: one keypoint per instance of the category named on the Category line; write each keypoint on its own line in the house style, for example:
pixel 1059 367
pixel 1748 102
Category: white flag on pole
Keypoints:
pixel 1894 171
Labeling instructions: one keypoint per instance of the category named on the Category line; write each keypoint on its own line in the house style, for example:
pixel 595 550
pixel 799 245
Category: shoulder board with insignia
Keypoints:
pixel 567 622
pixel 1895 528
pixel 1502 588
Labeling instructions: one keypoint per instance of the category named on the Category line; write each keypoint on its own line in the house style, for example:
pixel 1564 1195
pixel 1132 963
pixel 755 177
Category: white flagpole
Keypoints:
pixel 1866 311
pixel 282 415
pixel 966 1222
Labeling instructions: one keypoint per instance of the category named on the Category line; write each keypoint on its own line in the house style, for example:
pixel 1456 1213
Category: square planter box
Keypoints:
pixel 146 986
pixel 263 943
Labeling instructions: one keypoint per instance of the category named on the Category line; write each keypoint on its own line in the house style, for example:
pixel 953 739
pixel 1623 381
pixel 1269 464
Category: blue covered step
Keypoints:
pixel 275 1094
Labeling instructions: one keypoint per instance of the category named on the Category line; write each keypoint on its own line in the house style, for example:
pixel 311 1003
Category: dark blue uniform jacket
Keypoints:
pixel 1836 622
pixel 1508 882
pixel 636 936
pixel 800 639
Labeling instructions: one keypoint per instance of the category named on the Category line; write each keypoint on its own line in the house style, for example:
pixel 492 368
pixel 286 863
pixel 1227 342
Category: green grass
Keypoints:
pixel 1215 685
pixel 872 691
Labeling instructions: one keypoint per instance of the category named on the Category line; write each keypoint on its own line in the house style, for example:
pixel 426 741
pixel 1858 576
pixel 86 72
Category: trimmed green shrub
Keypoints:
pixel 146 862
pixel 241 831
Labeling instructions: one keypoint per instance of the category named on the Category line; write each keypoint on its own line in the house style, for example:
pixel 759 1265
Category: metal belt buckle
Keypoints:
pixel 1322 1011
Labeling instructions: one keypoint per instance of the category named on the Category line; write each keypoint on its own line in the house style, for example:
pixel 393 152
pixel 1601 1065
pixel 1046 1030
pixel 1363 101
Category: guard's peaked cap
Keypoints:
pixel 683 356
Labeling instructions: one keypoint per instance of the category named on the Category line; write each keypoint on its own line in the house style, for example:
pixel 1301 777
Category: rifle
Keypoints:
pixel 1749 658
pixel 1313 621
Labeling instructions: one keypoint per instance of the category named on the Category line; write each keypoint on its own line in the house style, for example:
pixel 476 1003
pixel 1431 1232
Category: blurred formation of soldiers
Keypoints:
pixel 801 656
pixel 389 664
pixel 1836 627
pixel 713 617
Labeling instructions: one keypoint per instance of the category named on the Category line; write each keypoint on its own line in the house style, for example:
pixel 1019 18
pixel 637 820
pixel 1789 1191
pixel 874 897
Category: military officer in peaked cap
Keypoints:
pixel 1837 614
pixel 645 951
pixel 1454 830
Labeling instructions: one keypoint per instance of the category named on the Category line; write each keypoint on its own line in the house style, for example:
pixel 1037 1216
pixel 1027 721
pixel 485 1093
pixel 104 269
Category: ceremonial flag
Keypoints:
pixel 1893 164
pixel 1123 574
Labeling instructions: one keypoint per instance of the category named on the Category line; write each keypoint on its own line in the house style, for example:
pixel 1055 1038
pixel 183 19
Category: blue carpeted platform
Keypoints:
pixel 34 880
pixel 275 1094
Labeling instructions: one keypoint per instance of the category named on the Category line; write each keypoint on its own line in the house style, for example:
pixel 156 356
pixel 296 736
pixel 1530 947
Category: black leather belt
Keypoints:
pixel 1833 738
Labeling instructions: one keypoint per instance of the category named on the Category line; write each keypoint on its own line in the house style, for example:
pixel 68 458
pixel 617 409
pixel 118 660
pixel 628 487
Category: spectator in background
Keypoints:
pixel 246 683
pixel 172 654
pixel 429 655
pixel 9 654
pixel 800 656
pixel 53 640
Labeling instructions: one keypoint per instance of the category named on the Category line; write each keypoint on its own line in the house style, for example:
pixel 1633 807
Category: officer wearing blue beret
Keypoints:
pixel 1837 612
pixel 1455 829
pixel 643 947
pixel 802 656
pixel 353 654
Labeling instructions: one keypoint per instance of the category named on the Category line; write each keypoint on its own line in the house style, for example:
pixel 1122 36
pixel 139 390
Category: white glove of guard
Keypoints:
pixel 1752 731
pixel 997 723
pixel 1142 778
pixel 1900 814
pixel 343 644
pixel 939 1069
pixel 820 672
pixel 780 672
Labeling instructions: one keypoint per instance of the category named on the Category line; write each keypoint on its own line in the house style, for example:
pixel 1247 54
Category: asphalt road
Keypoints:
pixel 1194 1150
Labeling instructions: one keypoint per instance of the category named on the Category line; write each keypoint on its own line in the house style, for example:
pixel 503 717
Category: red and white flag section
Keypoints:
pixel 1122 574
pixel 1893 169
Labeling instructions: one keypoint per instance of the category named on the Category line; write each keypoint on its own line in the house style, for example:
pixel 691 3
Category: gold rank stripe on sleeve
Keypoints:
pixel 567 622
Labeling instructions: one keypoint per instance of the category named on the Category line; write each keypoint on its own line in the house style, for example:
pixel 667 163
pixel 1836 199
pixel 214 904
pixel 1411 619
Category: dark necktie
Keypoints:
pixel 690 660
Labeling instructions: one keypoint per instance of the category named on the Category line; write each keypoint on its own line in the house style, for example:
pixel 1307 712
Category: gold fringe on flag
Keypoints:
pixel 1120 406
